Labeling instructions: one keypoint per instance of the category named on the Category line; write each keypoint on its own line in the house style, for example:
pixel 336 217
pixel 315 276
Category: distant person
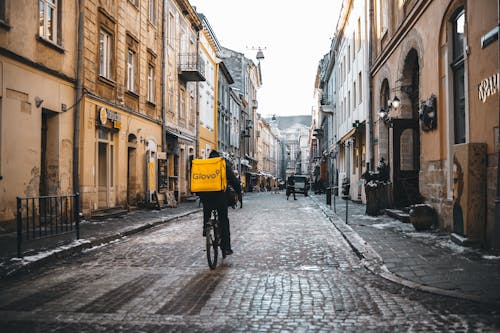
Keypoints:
pixel 290 186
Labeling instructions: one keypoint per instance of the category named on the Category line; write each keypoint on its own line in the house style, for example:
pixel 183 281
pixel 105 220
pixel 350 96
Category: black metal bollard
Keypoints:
pixel 329 196
pixel 346 209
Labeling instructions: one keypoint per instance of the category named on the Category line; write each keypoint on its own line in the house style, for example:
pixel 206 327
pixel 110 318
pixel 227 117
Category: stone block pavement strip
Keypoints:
pixel 426 261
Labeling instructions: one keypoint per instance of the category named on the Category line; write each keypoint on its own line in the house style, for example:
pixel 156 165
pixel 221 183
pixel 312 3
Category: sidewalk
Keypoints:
pixel 427 261
pixel 92 233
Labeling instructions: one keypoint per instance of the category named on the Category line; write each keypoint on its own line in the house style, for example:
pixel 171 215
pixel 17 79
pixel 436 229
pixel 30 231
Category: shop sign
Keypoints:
pixel 105 114
pixel 488 87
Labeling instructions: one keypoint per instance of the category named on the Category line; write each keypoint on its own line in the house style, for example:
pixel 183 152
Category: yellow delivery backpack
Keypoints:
pixel 208 175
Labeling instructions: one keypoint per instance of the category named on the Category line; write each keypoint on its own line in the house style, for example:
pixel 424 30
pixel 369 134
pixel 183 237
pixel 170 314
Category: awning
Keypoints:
pixel 347 135
pixel 180 136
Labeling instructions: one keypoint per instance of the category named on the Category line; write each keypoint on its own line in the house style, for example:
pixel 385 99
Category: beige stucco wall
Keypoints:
pixel 31 67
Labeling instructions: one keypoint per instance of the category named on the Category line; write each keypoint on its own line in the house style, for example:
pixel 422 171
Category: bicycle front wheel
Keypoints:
pixel 211 245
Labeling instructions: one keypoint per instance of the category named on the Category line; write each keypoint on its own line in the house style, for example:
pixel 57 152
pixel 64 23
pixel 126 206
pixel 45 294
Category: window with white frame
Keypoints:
pixel 47 26
pixel 152 11
pixel 131 68
pixel 171 29
pixel 105 55
pixel 151 83
pixel 384 15
pixel 360 87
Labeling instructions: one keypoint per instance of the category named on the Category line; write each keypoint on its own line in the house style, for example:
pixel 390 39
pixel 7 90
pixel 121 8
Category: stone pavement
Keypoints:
pixel 92 234
pixel 427 261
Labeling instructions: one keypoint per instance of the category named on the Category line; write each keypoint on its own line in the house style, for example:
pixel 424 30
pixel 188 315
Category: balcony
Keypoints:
pixel 318 132
pixel 191 68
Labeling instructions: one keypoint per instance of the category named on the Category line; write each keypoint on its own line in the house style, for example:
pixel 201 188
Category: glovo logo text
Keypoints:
pixel 203 176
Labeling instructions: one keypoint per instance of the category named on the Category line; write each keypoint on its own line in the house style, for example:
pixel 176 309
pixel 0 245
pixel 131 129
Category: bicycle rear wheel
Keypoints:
pixel 212 244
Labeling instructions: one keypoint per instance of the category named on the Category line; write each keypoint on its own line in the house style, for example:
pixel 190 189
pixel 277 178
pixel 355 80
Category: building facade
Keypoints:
pixel 183 70
pixel 37 98
pixel 440 133
pixel 207 91
pixel 352 117
pixel 121 119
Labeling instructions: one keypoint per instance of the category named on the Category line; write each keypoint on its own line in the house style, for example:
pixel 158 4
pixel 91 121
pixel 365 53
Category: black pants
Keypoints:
pixel 223 221
pixel 290 190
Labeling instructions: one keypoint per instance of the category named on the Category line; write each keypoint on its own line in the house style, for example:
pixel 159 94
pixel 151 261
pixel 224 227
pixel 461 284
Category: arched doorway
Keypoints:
pixel 406 136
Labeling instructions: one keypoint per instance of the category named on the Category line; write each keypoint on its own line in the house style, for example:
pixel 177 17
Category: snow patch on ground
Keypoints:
pixel 366 217
pixel 39 256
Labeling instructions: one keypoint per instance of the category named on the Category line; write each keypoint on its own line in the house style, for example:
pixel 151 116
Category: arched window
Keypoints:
pixel 457 67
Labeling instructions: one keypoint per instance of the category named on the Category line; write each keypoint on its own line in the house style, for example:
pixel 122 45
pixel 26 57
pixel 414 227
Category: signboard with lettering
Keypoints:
pixel 488 87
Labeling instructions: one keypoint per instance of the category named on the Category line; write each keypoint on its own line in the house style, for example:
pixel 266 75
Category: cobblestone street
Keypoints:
pixel 291 271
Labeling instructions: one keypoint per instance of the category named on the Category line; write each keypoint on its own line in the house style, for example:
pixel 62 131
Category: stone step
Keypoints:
pixel 106 213
pixel 398 214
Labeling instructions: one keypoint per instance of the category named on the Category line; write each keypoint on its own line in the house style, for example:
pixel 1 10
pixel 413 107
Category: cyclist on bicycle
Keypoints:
pixel 219 200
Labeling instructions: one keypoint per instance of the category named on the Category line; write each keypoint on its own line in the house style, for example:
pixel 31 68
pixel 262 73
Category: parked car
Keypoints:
pixel 302 184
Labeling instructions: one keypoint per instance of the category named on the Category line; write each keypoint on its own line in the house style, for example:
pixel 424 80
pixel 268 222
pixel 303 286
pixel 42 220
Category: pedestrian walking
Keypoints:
pixel 290 186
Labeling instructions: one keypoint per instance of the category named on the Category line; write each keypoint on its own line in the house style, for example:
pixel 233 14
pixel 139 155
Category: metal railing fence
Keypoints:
pixel 47 216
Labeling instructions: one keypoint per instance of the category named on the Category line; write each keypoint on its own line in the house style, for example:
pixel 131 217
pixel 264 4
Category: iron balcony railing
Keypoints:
pixel 46 216
pixel 191 68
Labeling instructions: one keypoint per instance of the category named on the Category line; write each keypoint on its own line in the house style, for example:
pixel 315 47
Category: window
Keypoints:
pixel 359 33
pixel 182 104
pixel 151 83
pixel 354 100
pixel 47 26
pixel 131 68
pixel 192 110
pixel 348 58
pixel 152 12
pixel 360 87
pixel 3 16
pixel 170 100
pixel 457 66
pixel 105 56
pixel 171 29
pixel 384 15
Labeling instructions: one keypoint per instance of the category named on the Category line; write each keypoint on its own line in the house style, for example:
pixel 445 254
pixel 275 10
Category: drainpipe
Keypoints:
pixel 162 80
pixel 197 92
pixel 496 223
pixel 371 147
pixel 78 97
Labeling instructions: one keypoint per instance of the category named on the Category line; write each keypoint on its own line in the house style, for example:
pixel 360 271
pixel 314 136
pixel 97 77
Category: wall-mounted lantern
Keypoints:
pixel 428 113
pixel 385 114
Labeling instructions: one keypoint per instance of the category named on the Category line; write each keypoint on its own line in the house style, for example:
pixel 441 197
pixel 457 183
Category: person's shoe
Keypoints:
pixel 294 198
pixel 227 252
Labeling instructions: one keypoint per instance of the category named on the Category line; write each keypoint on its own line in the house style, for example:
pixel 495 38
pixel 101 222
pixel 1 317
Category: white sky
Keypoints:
pixel 296 35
